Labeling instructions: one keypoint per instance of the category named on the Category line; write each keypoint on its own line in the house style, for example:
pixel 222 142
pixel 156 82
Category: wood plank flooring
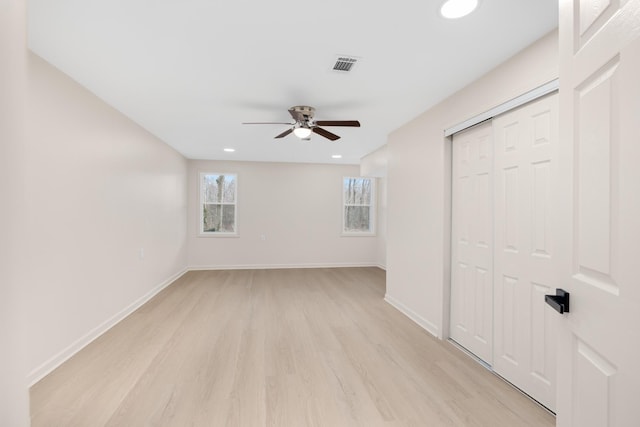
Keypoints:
pixel 308 347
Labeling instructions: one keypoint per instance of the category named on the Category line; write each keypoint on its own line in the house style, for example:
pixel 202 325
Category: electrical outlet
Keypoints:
pixel 141 253
pixel 263 237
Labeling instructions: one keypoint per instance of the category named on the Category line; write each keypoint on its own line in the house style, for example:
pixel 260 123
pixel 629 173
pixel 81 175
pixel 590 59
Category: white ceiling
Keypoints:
pixel 192 71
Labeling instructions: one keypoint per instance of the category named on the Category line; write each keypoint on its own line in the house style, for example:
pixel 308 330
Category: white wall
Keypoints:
pixel 297 207
pixel 419 184
pixel 375 164
pixel 82 189
pixel 14 399
pixel 381 251
pixel 98 189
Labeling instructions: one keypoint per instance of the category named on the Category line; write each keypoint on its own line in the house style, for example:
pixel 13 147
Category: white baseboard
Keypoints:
pixel 421 321
pixel 47 367
pixel 381 267
pixel 277 266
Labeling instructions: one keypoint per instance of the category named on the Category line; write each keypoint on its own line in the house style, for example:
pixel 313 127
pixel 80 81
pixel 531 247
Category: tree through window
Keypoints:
pixel 358 200
pixel 218 203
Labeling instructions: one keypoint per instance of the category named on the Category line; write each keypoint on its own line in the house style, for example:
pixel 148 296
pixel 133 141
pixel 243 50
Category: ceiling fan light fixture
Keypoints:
pixel 302 132
pixel 453 9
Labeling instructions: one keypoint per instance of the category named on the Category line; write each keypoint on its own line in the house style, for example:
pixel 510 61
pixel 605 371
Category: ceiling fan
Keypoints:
pixel 305 124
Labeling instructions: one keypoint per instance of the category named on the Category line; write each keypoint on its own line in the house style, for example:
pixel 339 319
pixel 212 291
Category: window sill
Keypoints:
pixel 358 234
pixel 218 235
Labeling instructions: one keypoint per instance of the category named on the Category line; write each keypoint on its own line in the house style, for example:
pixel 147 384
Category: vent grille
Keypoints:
pixel 344 63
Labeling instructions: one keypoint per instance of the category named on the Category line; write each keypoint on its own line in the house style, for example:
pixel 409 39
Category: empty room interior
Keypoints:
pixel 337 214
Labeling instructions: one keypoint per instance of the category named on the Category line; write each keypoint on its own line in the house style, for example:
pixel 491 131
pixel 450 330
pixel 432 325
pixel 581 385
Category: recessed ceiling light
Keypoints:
pixel 453 9
pixel 229 150
pixel 336 156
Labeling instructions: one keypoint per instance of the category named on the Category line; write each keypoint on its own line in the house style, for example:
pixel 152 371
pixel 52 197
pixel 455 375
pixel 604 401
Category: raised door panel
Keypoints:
pixel 594 179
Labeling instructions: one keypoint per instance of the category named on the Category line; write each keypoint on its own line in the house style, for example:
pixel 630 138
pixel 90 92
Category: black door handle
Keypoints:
pixel 559 301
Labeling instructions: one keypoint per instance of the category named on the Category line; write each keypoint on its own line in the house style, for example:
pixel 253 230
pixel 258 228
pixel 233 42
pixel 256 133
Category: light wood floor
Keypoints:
pixel 313 347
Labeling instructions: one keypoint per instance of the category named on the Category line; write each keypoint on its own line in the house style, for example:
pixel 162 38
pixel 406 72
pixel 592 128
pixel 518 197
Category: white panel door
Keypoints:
pixel 599 345
pixel 526 266
pixel 471 241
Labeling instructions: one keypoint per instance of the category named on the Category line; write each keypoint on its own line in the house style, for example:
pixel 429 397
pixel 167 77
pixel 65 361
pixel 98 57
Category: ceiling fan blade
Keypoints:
pixel 325 133
pixel 285 133
pixel 352 123
pixel 267 123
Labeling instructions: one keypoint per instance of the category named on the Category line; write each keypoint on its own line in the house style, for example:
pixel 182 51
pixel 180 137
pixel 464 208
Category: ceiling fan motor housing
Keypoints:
pixel 302 113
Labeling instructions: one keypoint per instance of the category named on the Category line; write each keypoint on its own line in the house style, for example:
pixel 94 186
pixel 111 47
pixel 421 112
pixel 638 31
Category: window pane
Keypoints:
pixel 357 191
pixel 229 188
pixel 228 219
pixel 211 218
pixel 218 218
pixel 349 190
pixel 356 218
pixel 365 192
pixel 211 192
pixel 219 188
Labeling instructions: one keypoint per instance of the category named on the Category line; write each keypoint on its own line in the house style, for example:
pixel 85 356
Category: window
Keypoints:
pixel 359 205
pixel 218 197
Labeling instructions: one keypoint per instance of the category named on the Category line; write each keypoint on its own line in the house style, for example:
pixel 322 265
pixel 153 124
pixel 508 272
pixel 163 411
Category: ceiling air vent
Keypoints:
pixel 344 63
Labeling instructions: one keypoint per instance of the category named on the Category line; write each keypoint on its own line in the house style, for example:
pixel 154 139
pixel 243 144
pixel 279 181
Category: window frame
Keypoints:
pixel 372 209
pixel 201 190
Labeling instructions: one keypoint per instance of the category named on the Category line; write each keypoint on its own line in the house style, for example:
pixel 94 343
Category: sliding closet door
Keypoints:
pixel 526 265
pixel 471 243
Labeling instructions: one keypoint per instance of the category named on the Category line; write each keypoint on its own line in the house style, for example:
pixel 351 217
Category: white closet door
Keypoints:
pixel 526 264
pixel 472 234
